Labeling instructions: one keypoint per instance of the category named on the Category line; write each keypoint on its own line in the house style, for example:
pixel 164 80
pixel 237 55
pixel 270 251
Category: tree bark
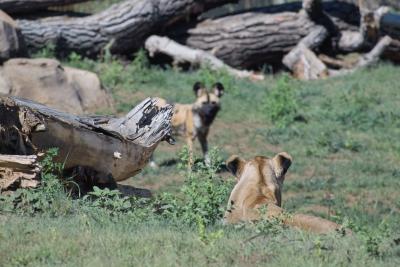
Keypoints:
pixel 255 38
pixel 122 27
pixel 181 54
pixel 116 148
pixel 27 6
pixel 250 39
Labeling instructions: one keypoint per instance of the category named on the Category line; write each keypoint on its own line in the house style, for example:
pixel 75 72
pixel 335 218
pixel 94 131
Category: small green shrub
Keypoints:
pixel 207 238
pixel 280 105
pixel 107 199
pixel 203 195
pixel 47 52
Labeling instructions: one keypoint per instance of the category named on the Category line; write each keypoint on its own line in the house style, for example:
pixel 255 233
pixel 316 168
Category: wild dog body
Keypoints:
pixel 259 183
pixel 194 120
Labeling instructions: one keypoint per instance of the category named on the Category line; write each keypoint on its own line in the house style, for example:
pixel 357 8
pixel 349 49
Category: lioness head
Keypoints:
pixel 259 182
pixel 207 103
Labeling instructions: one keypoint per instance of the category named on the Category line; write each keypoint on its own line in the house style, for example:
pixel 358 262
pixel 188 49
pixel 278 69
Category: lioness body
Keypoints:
pixel 260 182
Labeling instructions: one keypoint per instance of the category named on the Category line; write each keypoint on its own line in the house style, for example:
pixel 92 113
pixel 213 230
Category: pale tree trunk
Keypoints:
pixel 28 6
pixel 122 27
pixel 114 149
pixel 183 54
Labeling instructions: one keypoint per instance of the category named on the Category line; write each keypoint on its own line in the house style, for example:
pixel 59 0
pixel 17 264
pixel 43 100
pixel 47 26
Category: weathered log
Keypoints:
pixel 123 27
pixel 367 59
pixel 182 54
pixel 115 148
pixel 22 6
pixel 18 171
pixel 255 38
pixel 250 39
pixel 304 64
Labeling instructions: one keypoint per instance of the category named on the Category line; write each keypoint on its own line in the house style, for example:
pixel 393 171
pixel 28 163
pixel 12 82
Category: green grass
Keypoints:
pixel 80 240
pixel 345 145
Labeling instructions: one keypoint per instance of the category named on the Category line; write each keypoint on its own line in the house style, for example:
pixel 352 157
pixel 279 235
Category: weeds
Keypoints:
pixel 280 105
pixel 203 195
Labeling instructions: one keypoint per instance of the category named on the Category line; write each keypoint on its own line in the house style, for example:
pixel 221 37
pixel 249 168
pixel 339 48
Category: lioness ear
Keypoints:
pixel 235 165
pixel 218 89
pixel 198 88
pixel 281 163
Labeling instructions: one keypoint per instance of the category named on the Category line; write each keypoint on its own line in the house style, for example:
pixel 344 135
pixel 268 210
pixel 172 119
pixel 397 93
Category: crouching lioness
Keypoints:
pixel 259 184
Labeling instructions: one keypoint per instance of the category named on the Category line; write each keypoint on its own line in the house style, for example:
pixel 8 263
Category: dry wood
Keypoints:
pixel 334 62
pixel 180 54
pixel 304 64
pixel 18 171
pixel 115 148
pixel 266 35
pixel 27 6
pixel 367 59
pixel 123 27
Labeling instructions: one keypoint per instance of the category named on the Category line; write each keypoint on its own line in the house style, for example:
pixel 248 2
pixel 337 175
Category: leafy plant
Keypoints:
pixel 280 105
pixel 207 237
pixel 107 199
pixel 204 193
pixel 48 51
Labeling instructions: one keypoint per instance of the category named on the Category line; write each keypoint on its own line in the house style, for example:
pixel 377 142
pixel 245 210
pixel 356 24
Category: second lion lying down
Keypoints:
pixel 259 184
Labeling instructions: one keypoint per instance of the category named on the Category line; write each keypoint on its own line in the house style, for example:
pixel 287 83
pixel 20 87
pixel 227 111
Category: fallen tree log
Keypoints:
pixel 182 54
pixel 23 6
pixel 18 171
pixel 113 149
pixel 255 38
pixel 122 27
pixel 367 59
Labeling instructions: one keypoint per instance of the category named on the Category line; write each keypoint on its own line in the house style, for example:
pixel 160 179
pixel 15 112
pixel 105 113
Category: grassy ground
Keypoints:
pixel 343 136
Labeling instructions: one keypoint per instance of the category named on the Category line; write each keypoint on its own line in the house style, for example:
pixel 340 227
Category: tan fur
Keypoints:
pixel 187 122
pixel 259 183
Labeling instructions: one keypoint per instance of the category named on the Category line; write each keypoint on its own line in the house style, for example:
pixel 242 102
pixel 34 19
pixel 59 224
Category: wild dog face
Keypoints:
pixel 207 103
pixel 259 182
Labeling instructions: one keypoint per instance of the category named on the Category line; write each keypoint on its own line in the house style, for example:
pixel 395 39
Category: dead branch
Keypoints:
pixel 18 171
pixel 181 54
pixel 366 60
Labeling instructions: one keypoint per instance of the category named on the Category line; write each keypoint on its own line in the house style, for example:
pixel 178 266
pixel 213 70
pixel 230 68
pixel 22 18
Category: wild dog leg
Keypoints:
pixel 204 146
pixel 189 142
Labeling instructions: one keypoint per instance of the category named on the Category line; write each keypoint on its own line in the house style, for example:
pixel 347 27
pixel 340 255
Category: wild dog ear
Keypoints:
pixel 281 163
pixel 198 88
pixel 235 165
pixel 218 89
